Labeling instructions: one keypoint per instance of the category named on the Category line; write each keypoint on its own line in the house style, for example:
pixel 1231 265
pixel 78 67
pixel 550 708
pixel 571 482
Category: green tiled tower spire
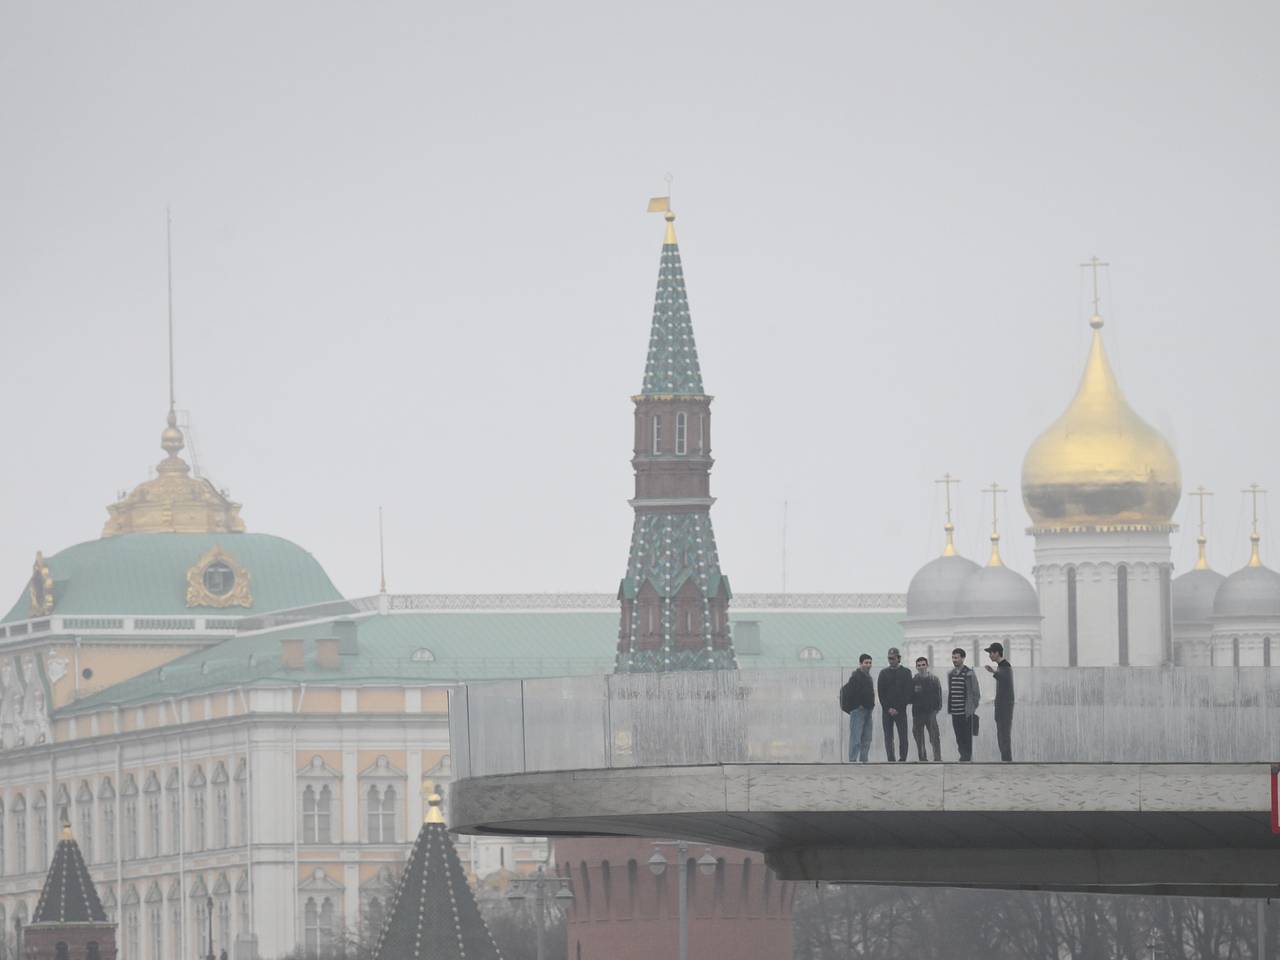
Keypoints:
pixel 671 369
pixel 674 597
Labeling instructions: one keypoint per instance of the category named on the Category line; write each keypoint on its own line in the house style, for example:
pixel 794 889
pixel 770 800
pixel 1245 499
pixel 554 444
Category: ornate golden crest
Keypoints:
pixel 217 580
pixel 40 589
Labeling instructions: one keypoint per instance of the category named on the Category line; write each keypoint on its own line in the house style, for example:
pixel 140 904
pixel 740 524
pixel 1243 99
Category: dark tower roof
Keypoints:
pixel 68 895
pixel 671 369
pixel 433 913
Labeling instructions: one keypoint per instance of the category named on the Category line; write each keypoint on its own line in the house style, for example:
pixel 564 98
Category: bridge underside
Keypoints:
pixel 1175 829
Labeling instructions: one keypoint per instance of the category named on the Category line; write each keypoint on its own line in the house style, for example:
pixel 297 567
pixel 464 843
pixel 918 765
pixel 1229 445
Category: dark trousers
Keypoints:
pixel 900 722
pixel 963 726
pixel 1004 730
pixel 926 722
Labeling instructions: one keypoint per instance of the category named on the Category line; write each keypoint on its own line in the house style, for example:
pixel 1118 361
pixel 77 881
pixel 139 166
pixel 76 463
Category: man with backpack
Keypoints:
pixel 858 700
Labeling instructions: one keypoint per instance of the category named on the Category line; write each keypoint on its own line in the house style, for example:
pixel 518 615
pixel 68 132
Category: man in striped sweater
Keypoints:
pixel 962 702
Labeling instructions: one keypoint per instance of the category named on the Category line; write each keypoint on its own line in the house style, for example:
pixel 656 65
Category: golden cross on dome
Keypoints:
pixel 1093 264
pixel 1255 559
pixel 995 490
pixel 1202 562
pixel 950 549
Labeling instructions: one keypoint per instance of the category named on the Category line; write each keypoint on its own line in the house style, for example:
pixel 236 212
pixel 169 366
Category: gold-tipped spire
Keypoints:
pixel 1202 560
pixel 434 814
pixel 995 490
pixel 663 205
pixel 949 550
pixel 1100 464
pixel 1255 555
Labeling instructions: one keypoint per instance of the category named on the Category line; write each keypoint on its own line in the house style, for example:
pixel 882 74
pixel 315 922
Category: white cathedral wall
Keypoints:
pixel 1096 557
pixel 1249 637
pixel 932 639
pixel 1192 644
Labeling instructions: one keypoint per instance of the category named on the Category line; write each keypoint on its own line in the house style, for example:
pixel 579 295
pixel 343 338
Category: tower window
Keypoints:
pixel 702 431
pixel 657 434
pixel 682 433
pixel 219 579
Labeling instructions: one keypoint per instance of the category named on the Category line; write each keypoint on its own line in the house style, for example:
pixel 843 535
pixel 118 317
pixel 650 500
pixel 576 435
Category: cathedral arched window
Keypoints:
pixel 1235 651
pixel 682 433
pixel 1266 662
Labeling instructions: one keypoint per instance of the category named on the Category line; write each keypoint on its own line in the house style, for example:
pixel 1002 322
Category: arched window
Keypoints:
pixel 1122 612
pixel 198 822
pixel 606 885
pixel 222 816
pixel 309 815
pixel 810 653
pixel 152 789
pixel 224 917
pixel 1266 662
pixel 682 433
pixel 20 831
pixel 633 878
pixel 702 434
pixel 107 794
pixel 41 807
pixel 374 815
pixel 389 815
pixel 1073 647
pixel 374 918
pixel 311 928
pixel 324 804
pixel 586 888
pixel 155 929
pixel 744 894
pixel 1235 651
pixel 657 434
pixel 327 927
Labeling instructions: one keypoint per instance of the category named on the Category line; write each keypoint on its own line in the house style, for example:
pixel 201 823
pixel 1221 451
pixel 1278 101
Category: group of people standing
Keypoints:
pixel 899 689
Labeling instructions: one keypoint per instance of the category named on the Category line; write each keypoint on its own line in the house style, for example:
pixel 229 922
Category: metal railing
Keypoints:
pixel 1081 714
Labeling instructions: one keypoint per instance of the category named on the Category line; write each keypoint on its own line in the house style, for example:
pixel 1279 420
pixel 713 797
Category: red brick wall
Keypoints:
pixel 740 911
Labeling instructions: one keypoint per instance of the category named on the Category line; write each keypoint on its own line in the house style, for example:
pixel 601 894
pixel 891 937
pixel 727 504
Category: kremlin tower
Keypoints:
pixel 674 598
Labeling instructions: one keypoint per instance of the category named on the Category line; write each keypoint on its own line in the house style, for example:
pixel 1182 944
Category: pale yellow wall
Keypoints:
pixel 110 663
pixel 319 700
pixel 331 870
pixel 367 758
pixel 435 700
pixel 380 700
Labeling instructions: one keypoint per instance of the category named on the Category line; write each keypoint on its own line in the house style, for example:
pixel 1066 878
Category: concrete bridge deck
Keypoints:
pixel 1193 829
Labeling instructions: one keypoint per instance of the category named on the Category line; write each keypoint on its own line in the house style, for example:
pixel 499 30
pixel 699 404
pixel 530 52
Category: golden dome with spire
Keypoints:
pixel 1100 464
pixel 175 501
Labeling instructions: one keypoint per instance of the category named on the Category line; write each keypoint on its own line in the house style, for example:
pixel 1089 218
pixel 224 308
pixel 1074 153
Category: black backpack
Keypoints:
pixel 846 695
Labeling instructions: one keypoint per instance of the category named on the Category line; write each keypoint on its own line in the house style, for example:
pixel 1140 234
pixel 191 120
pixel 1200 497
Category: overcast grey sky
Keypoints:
pixel 412 266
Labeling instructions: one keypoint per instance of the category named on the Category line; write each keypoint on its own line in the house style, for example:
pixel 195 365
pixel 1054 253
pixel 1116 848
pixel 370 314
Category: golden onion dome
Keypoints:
pixel 1100 464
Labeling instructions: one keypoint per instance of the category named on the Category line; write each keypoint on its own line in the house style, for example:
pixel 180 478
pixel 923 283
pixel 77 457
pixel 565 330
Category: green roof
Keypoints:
pixel 671 367
pixel 146 573
pixel 393 649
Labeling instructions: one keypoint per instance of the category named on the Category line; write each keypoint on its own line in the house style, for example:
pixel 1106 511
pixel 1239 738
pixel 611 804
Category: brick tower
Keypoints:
pixel 675 600
pixel 69 922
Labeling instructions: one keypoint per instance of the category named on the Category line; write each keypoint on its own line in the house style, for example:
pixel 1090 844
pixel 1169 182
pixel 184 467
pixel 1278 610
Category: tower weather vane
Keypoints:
pixel 1255 559
pixel 995 490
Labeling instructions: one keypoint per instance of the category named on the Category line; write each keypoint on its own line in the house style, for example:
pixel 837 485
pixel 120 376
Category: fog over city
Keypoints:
pixel 412 268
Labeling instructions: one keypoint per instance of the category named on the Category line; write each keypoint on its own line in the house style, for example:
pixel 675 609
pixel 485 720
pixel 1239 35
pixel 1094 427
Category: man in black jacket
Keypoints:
pixel 1003 672
pixel 858 699
pixel 894 687
pixel 926 701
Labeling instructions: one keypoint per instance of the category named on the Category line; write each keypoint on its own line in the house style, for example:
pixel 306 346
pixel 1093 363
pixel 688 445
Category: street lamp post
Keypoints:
pixel 541 885
pixel 658 863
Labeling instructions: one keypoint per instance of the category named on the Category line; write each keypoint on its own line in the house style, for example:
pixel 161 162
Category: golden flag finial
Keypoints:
pixel 1255 555
pixel 663 205
pixel 995 490
pixel 434 813
pixel 950 549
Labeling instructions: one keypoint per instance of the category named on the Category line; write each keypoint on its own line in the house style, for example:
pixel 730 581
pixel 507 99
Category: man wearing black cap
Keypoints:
pixel 1003 673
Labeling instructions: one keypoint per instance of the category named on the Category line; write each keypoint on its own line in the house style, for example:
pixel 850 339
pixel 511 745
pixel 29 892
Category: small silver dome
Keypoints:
pixel 1193 594
pixel 1252 592
pixel 997 592
pixel 935 588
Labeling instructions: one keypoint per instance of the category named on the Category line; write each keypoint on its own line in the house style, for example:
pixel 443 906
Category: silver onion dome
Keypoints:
pixel 1252 592
pixel 997 591
pixel 935 589
pixel 1193 595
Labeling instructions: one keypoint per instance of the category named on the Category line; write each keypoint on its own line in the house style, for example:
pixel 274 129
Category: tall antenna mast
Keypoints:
pixel 168 250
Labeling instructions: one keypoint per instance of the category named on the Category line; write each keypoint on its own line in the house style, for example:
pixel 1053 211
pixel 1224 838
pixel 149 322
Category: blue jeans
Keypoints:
pixel 859 734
